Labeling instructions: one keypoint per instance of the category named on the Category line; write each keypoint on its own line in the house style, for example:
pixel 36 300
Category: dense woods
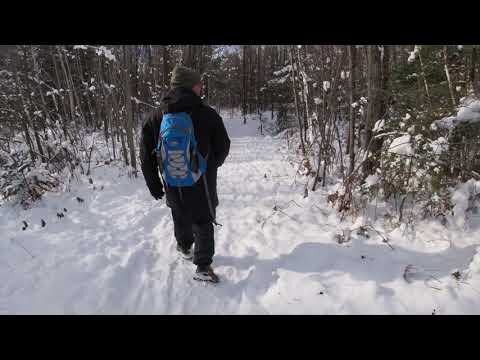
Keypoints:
pixel 397 122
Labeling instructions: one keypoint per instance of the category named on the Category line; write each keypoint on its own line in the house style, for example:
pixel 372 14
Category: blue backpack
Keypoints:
pixel 180 163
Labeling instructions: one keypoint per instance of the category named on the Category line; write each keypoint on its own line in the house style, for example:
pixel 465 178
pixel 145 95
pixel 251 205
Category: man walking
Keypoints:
pixel 192 205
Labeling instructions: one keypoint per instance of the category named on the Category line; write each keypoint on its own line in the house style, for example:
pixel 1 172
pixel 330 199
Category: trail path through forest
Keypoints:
pixel 115 252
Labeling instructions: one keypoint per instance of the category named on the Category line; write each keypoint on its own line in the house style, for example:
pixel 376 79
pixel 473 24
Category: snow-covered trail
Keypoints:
pixel 115 252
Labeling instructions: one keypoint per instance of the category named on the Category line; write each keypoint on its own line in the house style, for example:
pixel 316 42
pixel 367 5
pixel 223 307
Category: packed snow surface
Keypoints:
pixel 276 253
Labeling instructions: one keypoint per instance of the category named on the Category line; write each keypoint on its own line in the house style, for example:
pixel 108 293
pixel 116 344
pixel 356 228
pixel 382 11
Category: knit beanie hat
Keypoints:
pixel 184 77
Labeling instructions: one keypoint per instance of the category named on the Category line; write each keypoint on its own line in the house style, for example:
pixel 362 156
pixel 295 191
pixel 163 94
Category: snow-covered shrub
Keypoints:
pixel 410 167
pixel 465 198
pixel 462 131
pixel 421 160
pixel 23 181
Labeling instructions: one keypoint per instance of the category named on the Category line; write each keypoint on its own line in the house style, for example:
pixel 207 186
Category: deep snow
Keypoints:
pixel 114 253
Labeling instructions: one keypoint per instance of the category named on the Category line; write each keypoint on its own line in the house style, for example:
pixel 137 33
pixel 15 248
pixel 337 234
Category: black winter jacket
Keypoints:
pixel 212 139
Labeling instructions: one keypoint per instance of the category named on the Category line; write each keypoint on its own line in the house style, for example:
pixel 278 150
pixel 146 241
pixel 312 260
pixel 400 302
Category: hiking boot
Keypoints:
pixel 205 273
pixel 187 254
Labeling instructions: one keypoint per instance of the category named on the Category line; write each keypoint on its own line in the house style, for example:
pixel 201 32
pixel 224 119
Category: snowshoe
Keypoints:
pixel 205 273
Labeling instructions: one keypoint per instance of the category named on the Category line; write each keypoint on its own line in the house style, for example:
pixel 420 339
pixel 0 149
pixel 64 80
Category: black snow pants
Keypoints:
pixel 194 227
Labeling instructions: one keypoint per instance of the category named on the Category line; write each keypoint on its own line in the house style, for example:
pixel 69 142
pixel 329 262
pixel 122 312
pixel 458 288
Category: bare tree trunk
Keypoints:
pixel 116 126
pixel 89 118
pixel 374 97
pixel 128 107
pixel 310 133
pixel 69 90
pixel 101 82
pixel 332 116
pixel 250 80
pixel 64 108
pixel 190 56
pixel 111 122
pixel 27 111
pixel 447 73
pixel 166 68
pixel 472 75
pixel 200 61
pixel 353 77
pixel 374 88
pixel 385 91
pixel 295 96
pixel 425 83
pixel 26 132
pixel 28 139
pixel 272 69
pixel 257 87
pixel 109 110
pixel 244 83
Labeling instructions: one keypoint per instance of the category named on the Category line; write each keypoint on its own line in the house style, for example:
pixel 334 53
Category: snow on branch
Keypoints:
pixel 100 51
pixel 137 101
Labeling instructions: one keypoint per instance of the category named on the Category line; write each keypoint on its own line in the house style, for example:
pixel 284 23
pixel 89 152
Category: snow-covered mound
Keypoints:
pixel 401 146
pixel 468 112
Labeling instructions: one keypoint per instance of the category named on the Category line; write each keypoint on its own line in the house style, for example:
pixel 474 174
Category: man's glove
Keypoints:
pixel 157 193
